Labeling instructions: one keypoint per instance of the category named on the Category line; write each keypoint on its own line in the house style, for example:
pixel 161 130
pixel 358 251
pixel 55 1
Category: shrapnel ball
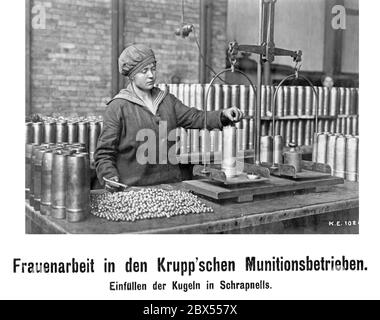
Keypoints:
pixel 147 203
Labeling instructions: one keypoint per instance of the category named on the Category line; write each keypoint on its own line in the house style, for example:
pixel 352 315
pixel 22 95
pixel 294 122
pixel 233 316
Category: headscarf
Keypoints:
pixel 134 58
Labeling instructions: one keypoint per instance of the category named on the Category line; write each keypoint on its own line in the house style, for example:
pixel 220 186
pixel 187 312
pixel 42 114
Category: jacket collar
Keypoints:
pixel 130 95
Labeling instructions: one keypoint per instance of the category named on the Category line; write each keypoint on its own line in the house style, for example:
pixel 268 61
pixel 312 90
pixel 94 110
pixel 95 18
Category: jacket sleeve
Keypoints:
pixel 192 118
pixel 107 146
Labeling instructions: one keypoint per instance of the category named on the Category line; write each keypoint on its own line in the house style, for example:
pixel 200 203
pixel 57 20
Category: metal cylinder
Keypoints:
pixel 321 125
pixel 315 146
pixel 320 101
pixel 58 184
pixel 343 126
pixel 29 133
pixel 283 129
pixel 300 133
pixel 72 132
pixel 46 178
pixel 93 139
pixel 355 128
pixel 326 126
pixel 280 102
pixel 348 102
pixel 266 149
pixel 37 177
pixel 229 151
pixel 205 141
pixel 334 101
pixel 194 133
pixel 339 125
pixel 218 105
pixel 264 128
pixel 309 97
pixel 38 132
pixel 348 125
pixel 286 107
pixel 352 154
pixel 332 128
pixel 49 132
pixel 293 157
pixel 35 146
pixel 354 100
pixel 294 131
pixel 251 113
pixel 243 102
pixel 83 136
pixel 293 101
pixel 326 101
pixel 278 149
pixel 342 101
pixel 268 100
pixel 61 133
pixel 288 132
pixel 340 157
pixel 28 168
pixel 300 100
pixel 330 155
pixel 322 148
pixel 77 199
pixel 308 133
pixel 270 129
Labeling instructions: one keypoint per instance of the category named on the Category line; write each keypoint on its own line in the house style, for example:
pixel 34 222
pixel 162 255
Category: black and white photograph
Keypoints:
pixel 189 150
pixel 192 116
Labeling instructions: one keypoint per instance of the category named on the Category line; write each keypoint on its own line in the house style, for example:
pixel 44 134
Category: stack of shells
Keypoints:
pixel 57 173
pixel 294 109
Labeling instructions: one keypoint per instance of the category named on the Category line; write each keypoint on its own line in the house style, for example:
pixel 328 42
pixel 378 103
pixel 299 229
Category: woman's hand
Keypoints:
pixel 110 186
pixel 233 114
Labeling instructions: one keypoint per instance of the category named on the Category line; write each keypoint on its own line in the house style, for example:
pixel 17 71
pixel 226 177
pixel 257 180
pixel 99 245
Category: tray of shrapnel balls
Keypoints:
pixel 145 203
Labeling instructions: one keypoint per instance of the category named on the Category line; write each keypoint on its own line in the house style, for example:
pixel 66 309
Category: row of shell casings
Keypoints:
pixel 83 132
pixel 301 131
pixel 340 152
pixel 219 97
pixel 302 101
pixel 57 180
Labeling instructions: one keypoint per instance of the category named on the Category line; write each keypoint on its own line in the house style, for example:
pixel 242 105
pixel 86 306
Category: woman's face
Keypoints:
pixel 146 78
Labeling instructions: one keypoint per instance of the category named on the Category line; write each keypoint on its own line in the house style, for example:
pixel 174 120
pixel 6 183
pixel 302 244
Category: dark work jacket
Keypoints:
pixel 138 157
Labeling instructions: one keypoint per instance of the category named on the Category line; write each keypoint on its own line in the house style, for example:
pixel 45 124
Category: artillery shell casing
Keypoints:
pixel 266 147
pixel 263 107
pixel 173 89
pixel 37 178
pixel 93 138
pixel 343 126
pixel 308 132
pixel 61 132
pixel 286 93
pixel 300 133
pixel 49 132
pixel 268 100
pixel 58 184
pixel 226 96
pixel 330 156
pixel 355 104
pixel 321 125
pixel 326 101
pixel 83 136
pixel 355 129
pixel 277 128
pixel 264 128
pixel 77 200
pixel 28 169
pixel 251 122
pixel 332 128
pixel 340 157
pixel 277 149
pixel 29 133
pixel 243 103
pixel 46 178
pixel 235 98
pixel 348 102
pixel 270 129
pixel 229 151
pixel 315 146
pixel 294 131
pixel 35 147
pixel 288 132
pixel 352 154
pixel 205 137
pixel 283 129
pixel 309 98
pixel 320 100
pixel 293 101
pixel 326 126
pixel 334 101
pixel 300 100
pixel 239 139
pixel 280 102
pixel 339 125
pixel 38 132
pixel 322 148
pixel 348 125
pixel 72 132
pixel 342 100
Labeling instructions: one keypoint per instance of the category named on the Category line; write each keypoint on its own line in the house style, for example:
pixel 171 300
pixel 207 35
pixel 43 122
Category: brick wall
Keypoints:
pixel 71 57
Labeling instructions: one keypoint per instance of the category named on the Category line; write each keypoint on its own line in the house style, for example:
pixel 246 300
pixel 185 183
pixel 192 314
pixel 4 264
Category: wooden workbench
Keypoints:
pixel 332 211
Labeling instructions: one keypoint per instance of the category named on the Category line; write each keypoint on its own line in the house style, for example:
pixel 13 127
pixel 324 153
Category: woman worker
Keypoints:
pixel 143 111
